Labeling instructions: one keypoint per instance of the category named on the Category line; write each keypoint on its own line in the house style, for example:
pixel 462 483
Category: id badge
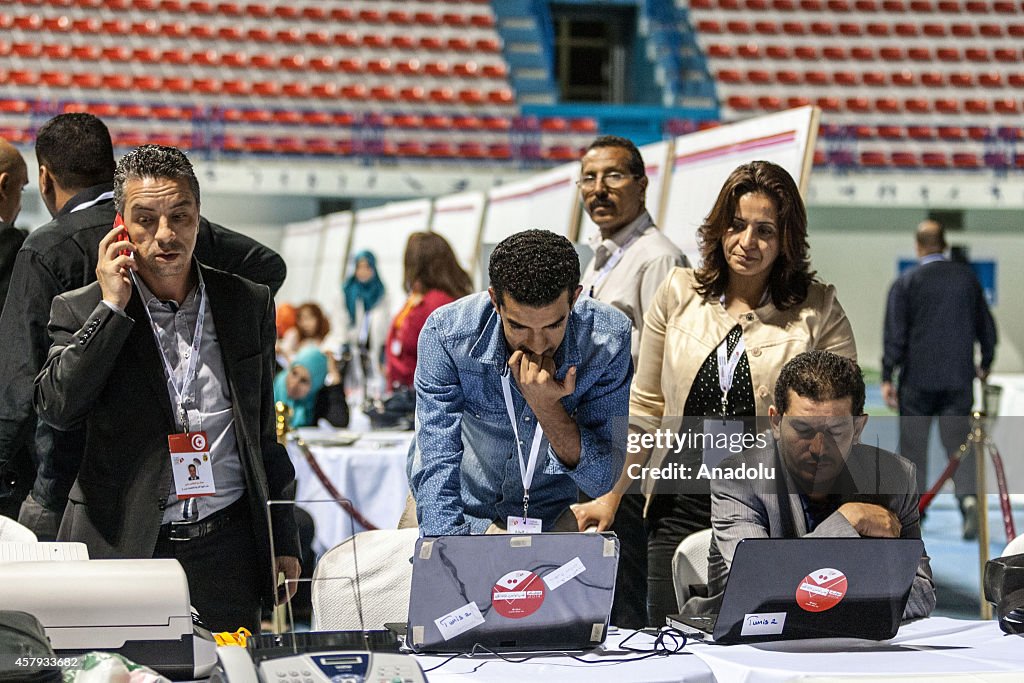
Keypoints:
pixel 191 464
pixel 523 525
pixel 722 438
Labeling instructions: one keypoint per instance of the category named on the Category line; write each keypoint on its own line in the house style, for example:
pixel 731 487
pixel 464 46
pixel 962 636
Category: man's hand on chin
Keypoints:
pixel 871 520
pixel 535 376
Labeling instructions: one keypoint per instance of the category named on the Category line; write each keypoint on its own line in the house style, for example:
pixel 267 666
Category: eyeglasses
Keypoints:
pixel 614 180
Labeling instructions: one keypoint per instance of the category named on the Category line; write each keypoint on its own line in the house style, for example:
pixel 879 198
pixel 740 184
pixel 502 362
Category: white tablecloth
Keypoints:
pixel 928 648
pixel 931 650
pixel 551 668
pixel 370 473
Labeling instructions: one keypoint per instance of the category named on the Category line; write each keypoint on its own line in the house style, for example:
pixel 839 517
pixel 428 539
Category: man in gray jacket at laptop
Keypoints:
pixel 826 483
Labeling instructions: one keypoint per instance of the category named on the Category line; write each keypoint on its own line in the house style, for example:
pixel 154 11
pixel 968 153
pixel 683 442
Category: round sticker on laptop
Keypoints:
pixel 518 594
pixel 821 590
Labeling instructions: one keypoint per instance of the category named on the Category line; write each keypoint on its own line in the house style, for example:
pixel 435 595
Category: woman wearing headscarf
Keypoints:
pixel 366 306
pixel 298 386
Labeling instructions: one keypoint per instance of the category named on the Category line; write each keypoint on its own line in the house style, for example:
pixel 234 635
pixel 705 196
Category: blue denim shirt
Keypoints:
pixel 463 464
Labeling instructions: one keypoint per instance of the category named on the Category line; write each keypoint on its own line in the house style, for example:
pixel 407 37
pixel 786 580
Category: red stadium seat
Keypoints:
pixel 471 150
pixel 379 66
pixel 890 132
pixel 990 30
pixel 412 94
pixel 464 122
pixel 87 80
pixel 1006 54
pixel 905 30
pixel 146 83
pixel 730 76
pixel 917 105
pixel 342 15
pixel 962 30
pixel 962 79
pixel 322 63
pixel 888 105
pixel 902 79
pixel 501 97
pixel 487 45
pixel 290 36
pixel 862 53
pixel 319 38
pixel 740 102
pixel 720 51
pixel 431 43
pixel 903 159
pixel 932 79
pixel 934 159
pixel 951 133
pixel 323 91
pixel 858 105
pixel 966 160
pixel 1006 106
pixel 891 53
pixel 977 54
pixel 845 78
pixel 947 54
pixel 353 91
pixel 374 40
pixel 785 76
pixel 346 39
pixel 766 28
pixel 816 78
pixel 459 44
pixel 265 88
pixel 850 29
pixel 436 69
pixel 829 104
pixel 295 89
pixel 351 65
pixel 807 53
pixel 979 133
pixel 207 86
pixel 777 52
pixel 471 96
pixel 383 93
pixel 947 105
pixel 465 70
pixel 494 71
pixel 872 158
pixel 748 51
pixel 794 102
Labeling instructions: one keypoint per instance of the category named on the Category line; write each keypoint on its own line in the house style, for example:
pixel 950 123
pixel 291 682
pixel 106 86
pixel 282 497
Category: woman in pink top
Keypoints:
pixel 433 278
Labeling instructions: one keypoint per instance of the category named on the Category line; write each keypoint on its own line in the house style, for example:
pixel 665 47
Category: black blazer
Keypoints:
pixel 104 373
pixel 934 315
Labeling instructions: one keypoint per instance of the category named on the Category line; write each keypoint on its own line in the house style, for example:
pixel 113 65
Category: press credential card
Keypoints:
pixel 458 621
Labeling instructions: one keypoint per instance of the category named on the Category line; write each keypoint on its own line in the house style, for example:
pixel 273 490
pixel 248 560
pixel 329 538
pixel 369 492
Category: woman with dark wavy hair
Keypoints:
pixel 433 278
pixel 714 343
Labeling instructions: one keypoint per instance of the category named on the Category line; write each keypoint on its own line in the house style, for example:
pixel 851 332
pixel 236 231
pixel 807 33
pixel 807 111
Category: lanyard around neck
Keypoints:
pixel 526 467
pixel 181 390
pixel 727 367
pixel 613 261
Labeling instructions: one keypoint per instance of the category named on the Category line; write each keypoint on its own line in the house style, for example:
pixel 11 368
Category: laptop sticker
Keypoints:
pixel 458 621
pixel 821 590
pixel 569 570
pixel 518 594
pixel 763 624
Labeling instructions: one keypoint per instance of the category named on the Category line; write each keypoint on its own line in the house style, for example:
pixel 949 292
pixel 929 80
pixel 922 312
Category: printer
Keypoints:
pixel 137 608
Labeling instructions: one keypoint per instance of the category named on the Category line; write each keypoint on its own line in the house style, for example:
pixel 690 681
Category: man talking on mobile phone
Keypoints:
pixel 165 361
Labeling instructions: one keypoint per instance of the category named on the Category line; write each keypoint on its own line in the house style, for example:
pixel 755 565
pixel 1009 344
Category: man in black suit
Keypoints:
pixel 76 172
pixel 935 314
pixel 13 179
pixel 163 359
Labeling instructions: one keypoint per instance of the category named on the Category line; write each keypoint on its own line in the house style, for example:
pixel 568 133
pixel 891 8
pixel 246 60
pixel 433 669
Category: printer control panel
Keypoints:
pixel 342 667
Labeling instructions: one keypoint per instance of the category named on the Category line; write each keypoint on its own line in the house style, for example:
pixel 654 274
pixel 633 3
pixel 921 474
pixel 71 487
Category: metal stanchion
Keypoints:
pixel 980 440
pixel 282 425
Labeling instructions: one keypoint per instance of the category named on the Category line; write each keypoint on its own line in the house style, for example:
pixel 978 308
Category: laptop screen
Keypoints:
pixel 512 592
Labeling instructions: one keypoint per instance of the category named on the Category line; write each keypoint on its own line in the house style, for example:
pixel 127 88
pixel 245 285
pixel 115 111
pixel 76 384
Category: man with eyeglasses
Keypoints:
pixel 823 481
pixel 632 257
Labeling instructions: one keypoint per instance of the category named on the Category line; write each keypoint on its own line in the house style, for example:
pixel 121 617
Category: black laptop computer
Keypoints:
pixel 506 592
pixel 797 588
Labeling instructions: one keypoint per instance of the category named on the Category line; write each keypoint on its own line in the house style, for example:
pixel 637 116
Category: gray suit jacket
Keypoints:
pixel 772 509
pixel 104 373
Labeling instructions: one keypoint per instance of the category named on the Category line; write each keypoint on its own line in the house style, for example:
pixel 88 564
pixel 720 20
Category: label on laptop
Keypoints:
pixel 763 624
pixel 821 590
pixel 518 594
pixel 458 621
pixel 569 570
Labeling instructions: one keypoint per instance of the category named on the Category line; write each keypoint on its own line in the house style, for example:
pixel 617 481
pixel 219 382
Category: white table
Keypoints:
pixel 936 649
pixel 370 473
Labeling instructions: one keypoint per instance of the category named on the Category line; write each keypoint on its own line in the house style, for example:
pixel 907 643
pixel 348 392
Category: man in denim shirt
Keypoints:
pixel 529 345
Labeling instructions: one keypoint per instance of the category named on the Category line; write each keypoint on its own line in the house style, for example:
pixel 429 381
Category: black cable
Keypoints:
pixel 668 641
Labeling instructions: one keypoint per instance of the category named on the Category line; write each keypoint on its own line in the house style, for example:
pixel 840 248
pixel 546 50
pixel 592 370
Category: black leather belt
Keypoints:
pixel 232 514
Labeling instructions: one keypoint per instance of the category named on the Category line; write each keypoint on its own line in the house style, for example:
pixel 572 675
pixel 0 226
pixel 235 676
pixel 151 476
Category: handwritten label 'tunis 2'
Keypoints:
pixel 764 624
pixel 459 621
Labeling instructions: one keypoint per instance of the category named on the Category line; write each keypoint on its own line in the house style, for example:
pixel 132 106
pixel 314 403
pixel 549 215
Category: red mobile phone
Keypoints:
pixel 122 236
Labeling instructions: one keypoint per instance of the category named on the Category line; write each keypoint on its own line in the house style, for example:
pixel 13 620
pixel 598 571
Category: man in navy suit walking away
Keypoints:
pixel 935 313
